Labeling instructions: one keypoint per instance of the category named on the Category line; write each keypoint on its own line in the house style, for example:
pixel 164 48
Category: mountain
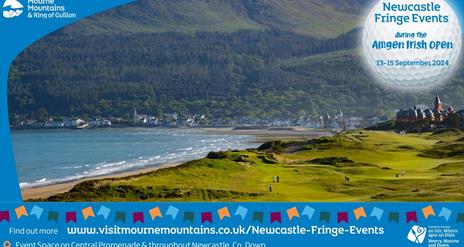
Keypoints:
pixel 166 56
pixel 317 18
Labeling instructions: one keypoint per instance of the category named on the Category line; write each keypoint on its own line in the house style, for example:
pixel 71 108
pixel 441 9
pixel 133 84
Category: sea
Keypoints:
pixel 46 157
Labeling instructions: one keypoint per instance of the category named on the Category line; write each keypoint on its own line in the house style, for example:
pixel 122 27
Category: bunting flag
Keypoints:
pixel 88 212
pixel 71 216
pixel 189 216
pixel 276 217
pixel 445 213
pixel 206 216
pixel 377 213
pixel 242 211
pixel 223 212
pixel 258 216
pixel 308 211
pixel 359 212
pixel 53 216
pixel 342 216
pixel 460 218
pixel 138 217
pixel 155 212
pixel 120 216
pixel 37 211
pixel 324 216
pixel 5 215
pixel 20 212
pixel 172 211
pixel 411 216
pixel 292 212
pixel 104 211
pixel 428 211
pixel 394 216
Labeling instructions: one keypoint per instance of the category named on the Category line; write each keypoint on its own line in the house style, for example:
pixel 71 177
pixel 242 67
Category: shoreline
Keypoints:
pixel 261 135
pixel 45 191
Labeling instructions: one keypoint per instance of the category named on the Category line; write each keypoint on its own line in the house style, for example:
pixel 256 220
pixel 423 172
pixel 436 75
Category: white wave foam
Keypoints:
pixel 103 168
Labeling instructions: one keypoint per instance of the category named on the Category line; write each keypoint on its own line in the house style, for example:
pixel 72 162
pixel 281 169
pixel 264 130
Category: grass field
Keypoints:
pixel 312 170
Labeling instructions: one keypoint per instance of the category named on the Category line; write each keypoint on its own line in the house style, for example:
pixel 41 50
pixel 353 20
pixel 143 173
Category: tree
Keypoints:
pixel 41 115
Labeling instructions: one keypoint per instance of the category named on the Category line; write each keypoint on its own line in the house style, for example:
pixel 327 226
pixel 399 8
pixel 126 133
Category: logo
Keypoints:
pixel 417 234
pixel 12 8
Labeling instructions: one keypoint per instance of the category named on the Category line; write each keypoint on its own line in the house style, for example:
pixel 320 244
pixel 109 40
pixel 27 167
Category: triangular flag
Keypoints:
pixel 428 211
pixel 292 212
pixel 223 212
pixel 359 212
pixel 104 211
pixel 20 212
pixel 37 211
pixel 87 212
pixel 155 212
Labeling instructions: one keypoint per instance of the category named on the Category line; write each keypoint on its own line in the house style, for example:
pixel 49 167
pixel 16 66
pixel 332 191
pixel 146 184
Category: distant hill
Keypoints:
pixel 317 18
pixel 263 58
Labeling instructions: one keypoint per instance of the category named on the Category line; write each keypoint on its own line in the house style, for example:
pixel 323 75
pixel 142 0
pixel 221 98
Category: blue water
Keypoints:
pixel 46 157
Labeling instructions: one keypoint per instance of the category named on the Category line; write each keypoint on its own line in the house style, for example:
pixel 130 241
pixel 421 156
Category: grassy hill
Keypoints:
pixel 317 18
pixel 254 58
pixel 313 170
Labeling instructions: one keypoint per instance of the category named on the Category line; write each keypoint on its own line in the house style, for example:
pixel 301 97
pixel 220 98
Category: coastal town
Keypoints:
pixel 419 116
pixel 337 121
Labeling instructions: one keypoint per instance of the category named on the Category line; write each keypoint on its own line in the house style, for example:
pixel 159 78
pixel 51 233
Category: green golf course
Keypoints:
pixel 354 166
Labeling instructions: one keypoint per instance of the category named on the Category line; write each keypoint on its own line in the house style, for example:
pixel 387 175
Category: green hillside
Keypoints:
pixel 265 59
pixel 245 73
pixel 317 18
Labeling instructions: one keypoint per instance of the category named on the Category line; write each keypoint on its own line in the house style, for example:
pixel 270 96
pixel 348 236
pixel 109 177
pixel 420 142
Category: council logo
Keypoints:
pixel 417 234
pixel 12 8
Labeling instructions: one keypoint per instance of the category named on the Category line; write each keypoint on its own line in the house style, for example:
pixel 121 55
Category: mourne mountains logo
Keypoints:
pixel 12 8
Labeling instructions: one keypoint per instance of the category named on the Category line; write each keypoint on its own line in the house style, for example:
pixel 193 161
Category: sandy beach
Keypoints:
pixel 43 192
pixel 269 134
pixel 261 134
